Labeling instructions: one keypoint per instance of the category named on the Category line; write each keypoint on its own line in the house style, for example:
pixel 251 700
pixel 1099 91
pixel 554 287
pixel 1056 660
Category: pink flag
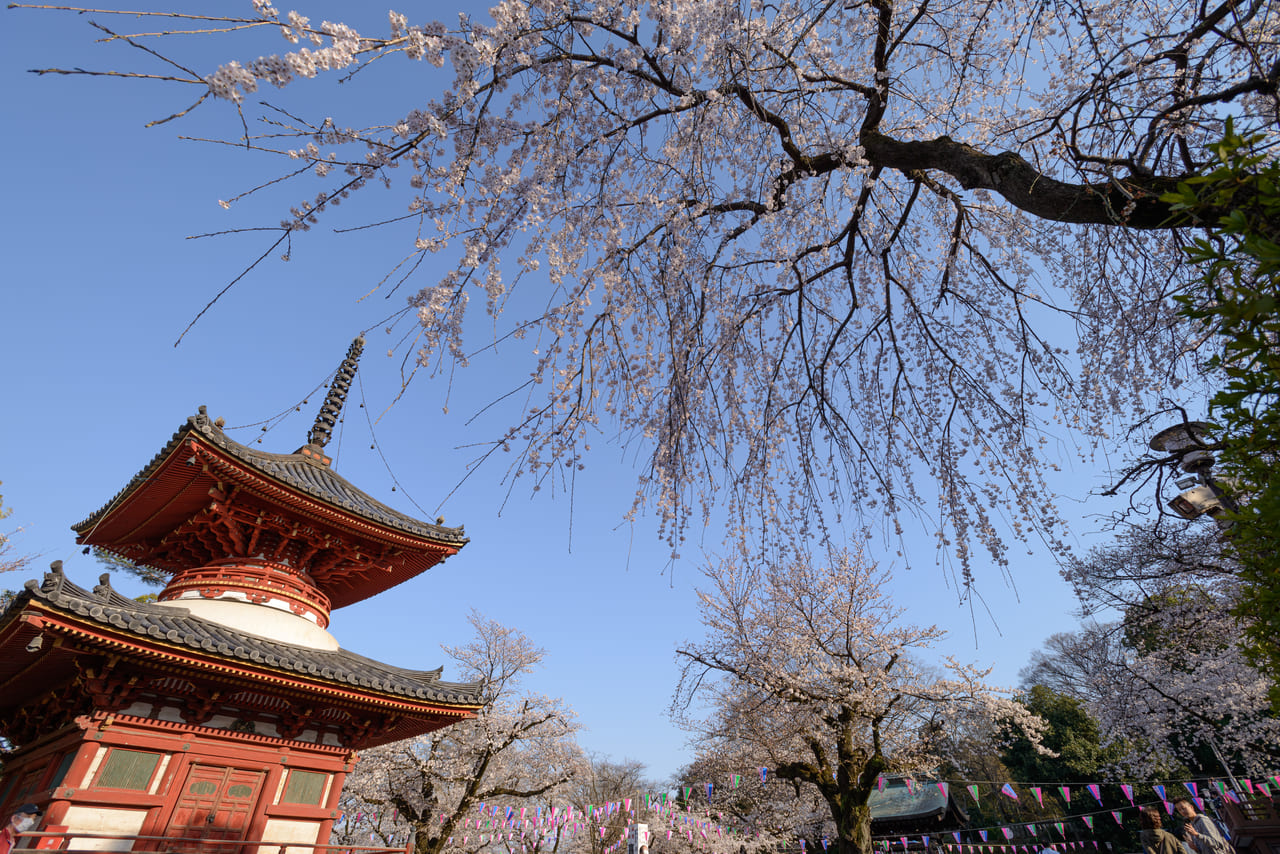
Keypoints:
pixel 1128 791
pixel 1096 791
pixel 1039 794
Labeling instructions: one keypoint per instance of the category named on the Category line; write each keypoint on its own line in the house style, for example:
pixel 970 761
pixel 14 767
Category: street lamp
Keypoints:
pixel 1201 494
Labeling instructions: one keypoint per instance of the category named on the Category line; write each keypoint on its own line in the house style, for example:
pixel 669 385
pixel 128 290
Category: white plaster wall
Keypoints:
pixel 280 830
pixel 116 822
pixel 261 620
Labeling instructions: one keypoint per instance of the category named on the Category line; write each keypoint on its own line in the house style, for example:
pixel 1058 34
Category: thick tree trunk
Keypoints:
pixel 853 829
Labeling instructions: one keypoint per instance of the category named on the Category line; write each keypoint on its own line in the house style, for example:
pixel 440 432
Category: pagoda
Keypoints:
pixel 225 711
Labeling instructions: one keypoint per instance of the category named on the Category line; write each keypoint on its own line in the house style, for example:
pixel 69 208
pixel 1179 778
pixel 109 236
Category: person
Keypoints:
pixel 1201 832
pixel 1155 839
pixel 23 819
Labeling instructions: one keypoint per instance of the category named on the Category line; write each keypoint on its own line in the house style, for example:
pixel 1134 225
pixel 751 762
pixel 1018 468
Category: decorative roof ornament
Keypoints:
pixel 331 409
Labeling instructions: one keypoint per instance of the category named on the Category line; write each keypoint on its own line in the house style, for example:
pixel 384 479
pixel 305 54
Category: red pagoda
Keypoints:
pixel 225 711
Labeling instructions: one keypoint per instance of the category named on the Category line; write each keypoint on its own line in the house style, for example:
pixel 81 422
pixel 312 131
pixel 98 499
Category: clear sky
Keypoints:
pixel 99 281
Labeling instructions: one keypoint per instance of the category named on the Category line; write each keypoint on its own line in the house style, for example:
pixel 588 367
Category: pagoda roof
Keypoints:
pixel 174 628
pixel 353 547
pixel 298 471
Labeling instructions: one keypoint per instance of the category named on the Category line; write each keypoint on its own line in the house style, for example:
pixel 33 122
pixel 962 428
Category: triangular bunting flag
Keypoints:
pixel 1039 794
pixel 1065 791
pixel 1007 791
pixel 973 790
pixel 1096 791
pixel 1128 792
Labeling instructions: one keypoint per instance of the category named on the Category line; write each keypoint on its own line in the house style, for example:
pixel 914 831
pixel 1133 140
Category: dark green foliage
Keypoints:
pixel 1240 257
pixel 1074 735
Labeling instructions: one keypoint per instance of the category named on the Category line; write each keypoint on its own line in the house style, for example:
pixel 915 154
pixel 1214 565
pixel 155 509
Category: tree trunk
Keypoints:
pixel 853 828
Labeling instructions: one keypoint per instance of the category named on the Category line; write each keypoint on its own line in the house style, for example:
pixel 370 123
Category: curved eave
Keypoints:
pixel 183 660
pixel 171 635
pixel 295 474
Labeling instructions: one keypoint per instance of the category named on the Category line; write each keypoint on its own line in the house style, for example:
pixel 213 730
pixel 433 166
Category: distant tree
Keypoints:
pixel 149 576
pixel 764 814
pixel 519 748
pixel 603 782
pixel 1074 663
pixel 795 255
pixel 1079 756
pixel 9 562
pixel 1170 680
pixel 806 670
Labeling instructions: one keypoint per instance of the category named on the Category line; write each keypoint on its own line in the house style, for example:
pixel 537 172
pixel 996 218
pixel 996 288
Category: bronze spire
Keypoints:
pixel 331 409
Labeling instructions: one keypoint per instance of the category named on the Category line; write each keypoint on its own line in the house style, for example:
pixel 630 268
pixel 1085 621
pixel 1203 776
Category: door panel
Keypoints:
pixel 215 806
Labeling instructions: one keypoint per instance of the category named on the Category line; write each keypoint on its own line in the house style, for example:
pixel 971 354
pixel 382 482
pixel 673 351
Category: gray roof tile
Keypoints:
pixel 178 626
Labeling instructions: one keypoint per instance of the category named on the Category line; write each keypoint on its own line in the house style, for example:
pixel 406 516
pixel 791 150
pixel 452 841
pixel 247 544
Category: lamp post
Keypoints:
pixel 1201 494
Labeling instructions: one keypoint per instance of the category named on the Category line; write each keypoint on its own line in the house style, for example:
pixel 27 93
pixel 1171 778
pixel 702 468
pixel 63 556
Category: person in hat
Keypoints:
pixel 24 818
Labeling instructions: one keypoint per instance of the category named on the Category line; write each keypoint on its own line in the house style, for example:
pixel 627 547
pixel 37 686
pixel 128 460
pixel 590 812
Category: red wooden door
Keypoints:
pixel 214 809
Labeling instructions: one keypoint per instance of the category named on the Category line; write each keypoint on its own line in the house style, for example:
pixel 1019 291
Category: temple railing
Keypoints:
pixel 1254 822
pixel 74 842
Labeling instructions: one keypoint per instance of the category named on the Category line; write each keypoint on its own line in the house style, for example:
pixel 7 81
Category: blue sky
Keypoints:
pixel 100 280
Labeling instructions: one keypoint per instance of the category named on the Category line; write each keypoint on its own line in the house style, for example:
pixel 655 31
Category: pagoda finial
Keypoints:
pixel 331 409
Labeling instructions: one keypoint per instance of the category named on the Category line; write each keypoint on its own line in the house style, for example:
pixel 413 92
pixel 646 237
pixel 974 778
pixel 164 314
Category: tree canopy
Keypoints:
pixel 1170 683
pixel 806 259
pixel 808 670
